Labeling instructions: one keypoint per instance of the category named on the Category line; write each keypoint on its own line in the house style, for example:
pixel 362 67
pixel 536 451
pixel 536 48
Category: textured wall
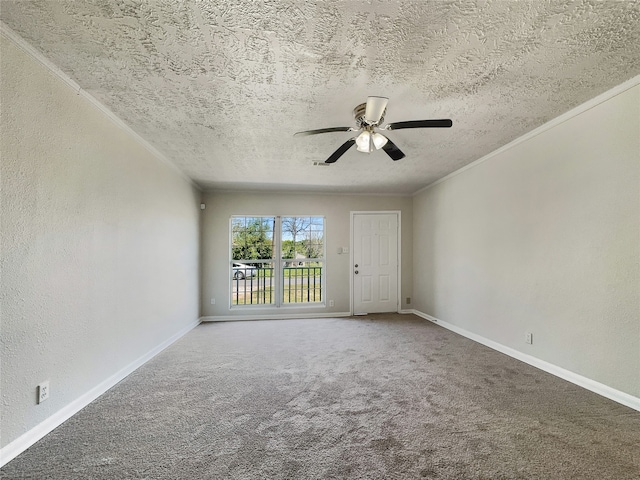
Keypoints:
pixel 544 237
pixel 99 245
pixel 336 209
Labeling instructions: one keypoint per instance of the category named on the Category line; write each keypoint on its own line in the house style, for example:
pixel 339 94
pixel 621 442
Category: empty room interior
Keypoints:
pixel 320 239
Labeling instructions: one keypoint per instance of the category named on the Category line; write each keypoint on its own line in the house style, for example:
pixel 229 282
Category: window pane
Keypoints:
pixel 252 284
pixel 252 238
pixel 302 282
pixel 302 239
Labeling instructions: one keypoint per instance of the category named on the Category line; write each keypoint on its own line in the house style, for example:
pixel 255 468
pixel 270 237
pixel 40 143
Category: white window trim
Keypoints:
pixel 278 265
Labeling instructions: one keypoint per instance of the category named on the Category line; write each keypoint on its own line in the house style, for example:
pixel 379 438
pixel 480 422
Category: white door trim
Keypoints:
pixel 398 213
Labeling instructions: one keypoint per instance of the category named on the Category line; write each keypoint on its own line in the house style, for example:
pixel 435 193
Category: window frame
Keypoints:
pixel 278 265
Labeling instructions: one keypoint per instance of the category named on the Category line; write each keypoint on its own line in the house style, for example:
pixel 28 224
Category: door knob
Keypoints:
pixel 356 272
pixel 356 265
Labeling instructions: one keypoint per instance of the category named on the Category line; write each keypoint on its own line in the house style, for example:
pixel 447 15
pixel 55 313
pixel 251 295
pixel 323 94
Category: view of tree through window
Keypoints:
pixel 302 237
pixel 252 238
pixel 259 278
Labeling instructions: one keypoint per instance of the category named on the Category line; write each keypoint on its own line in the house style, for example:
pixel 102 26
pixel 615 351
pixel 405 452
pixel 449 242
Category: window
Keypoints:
pixel 303 255
pixel 252 262
pixel 260 276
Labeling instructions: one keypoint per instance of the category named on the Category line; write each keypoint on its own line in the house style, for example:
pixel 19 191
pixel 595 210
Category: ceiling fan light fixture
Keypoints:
pixel 363 142
pixel 379 140
pixel 369 118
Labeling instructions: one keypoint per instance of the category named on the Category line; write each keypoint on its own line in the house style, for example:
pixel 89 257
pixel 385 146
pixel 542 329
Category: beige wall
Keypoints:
pixel 336 208
pixel 544 237
pixel 99 245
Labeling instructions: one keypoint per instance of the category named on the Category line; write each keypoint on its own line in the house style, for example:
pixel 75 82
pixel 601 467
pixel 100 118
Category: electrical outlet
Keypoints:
pixel 213 301
pixel 331 303
pixel 528 337
pixel 43 391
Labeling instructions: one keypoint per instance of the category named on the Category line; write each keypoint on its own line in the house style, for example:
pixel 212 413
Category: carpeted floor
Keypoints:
pixel 377 397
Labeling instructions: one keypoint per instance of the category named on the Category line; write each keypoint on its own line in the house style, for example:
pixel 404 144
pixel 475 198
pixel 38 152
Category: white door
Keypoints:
pixel 375 262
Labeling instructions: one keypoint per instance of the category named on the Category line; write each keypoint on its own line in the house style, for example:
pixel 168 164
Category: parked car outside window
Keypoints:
pixel 241 271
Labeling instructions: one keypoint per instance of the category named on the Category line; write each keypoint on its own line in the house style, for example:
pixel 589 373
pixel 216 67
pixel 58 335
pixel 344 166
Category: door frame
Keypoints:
pixel 398 214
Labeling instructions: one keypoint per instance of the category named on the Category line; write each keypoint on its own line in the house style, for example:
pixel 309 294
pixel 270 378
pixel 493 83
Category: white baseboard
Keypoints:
pixel 584 382
pixel 286 316
pixel 19 445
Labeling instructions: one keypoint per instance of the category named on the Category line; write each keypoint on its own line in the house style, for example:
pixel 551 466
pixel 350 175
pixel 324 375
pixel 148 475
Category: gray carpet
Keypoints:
pixel 377 397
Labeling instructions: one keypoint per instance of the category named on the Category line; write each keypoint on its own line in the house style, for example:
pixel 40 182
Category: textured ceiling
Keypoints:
pixel 220 87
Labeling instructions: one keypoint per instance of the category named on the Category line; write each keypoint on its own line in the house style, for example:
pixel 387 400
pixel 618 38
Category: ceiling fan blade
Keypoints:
pixel 443 123
pixel 321 130
pixel 340 151
pixel 393 151
pixel 375 109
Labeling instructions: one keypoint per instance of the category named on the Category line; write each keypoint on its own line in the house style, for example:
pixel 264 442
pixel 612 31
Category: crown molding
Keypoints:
pixel 574 112
pixel 26 47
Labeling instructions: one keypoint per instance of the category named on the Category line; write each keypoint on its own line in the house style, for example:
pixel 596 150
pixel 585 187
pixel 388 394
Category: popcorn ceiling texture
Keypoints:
pixel 220 87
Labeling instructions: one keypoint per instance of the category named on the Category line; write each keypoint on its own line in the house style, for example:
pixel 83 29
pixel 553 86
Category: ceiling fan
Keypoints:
pixel 369 116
